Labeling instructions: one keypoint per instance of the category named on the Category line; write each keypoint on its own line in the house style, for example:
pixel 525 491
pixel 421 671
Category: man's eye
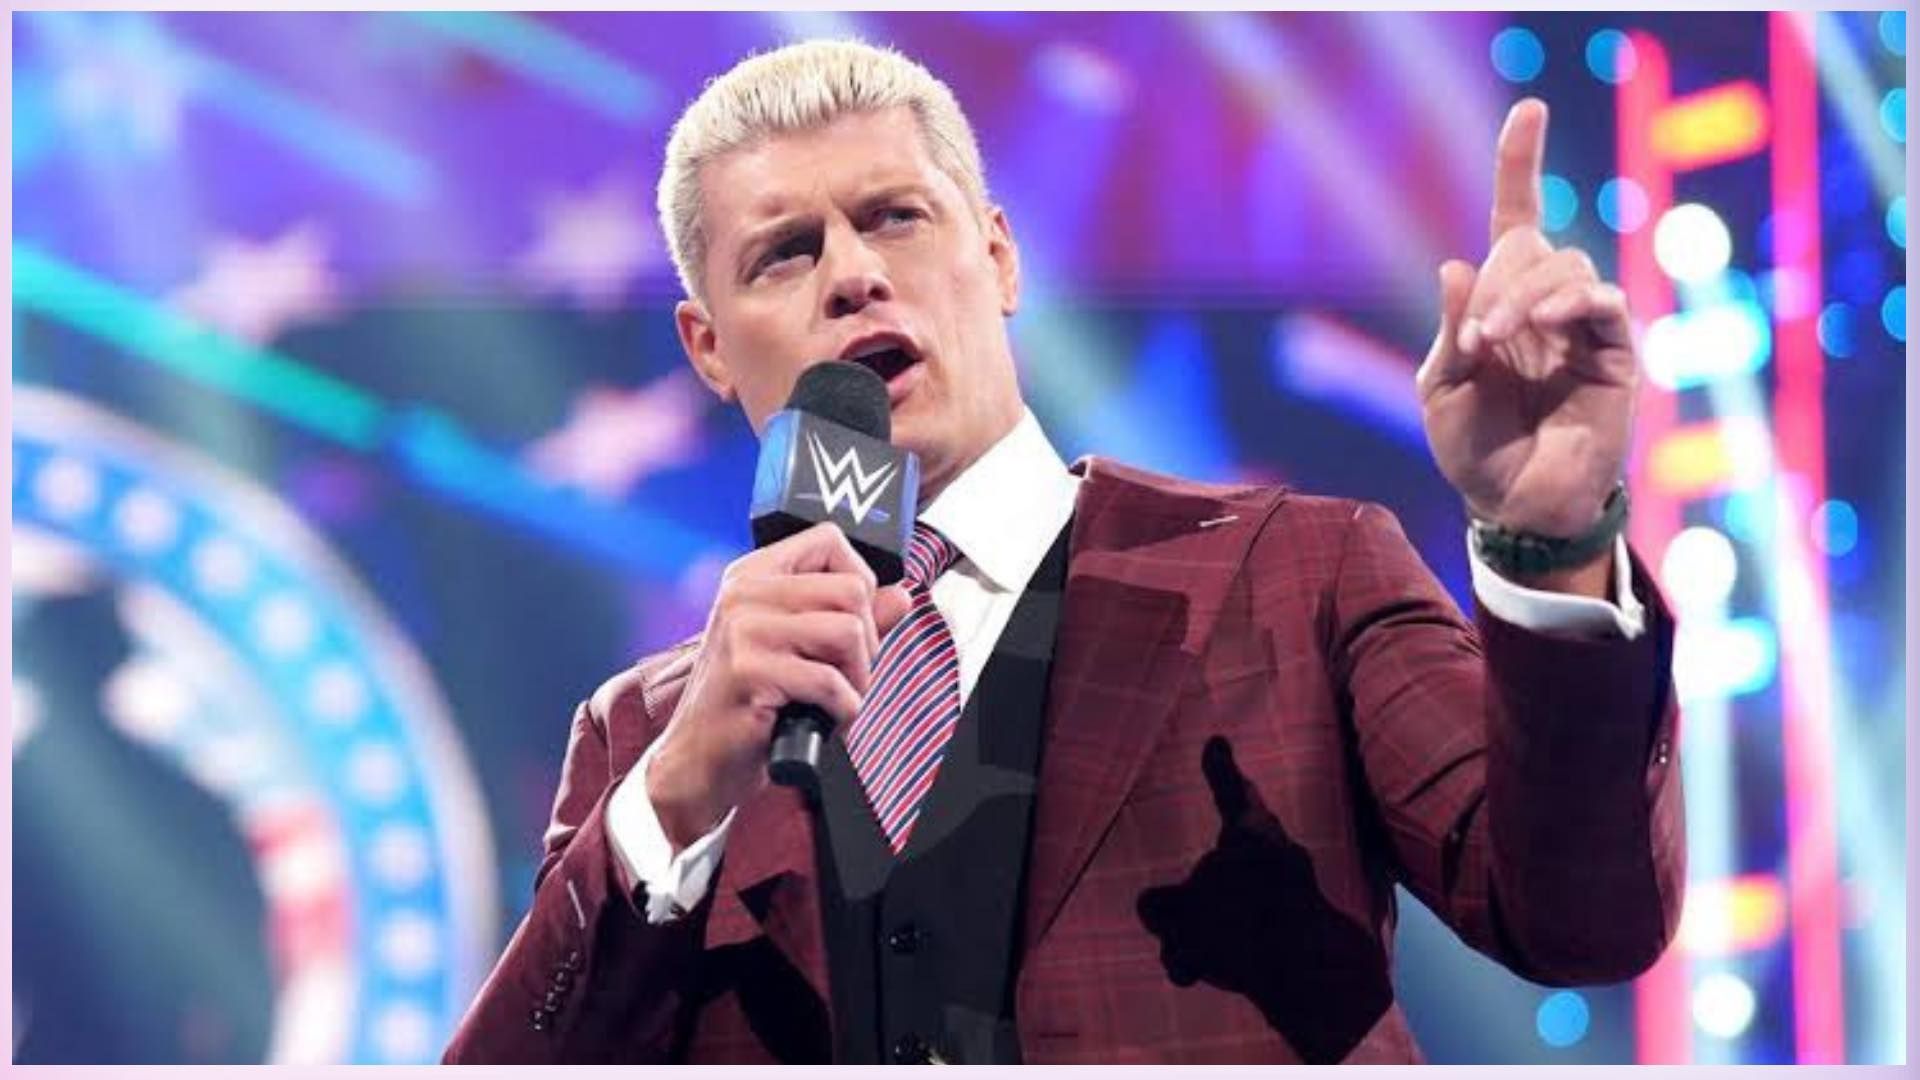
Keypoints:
pixel 897 215
pixel 782 253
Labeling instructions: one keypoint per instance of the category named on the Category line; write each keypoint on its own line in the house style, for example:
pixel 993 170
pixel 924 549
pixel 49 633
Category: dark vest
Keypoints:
pixel 922 949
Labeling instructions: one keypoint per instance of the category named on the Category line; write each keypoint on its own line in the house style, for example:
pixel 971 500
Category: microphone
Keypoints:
pixel 825 457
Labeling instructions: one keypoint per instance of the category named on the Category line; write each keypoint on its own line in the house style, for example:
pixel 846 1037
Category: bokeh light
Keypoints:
pixel 1893 312
pixel 1559 202
pixel 1622 204
pixel 1563 1018
pixel 1893 114
pixel 1836 527
pixel 1699 568
pixel 1835 330
pixel 1610 56
pixel 1691 243
pixel 1723 1004
pixel 1897 220
pixel 1517 54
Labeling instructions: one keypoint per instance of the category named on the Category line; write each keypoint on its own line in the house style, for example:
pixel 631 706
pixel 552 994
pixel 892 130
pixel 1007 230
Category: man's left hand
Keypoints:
pixel 1528 390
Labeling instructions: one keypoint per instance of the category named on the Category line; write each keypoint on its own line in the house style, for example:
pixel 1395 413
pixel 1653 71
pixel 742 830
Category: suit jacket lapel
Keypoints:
pixel 1145 582
pixel 767 883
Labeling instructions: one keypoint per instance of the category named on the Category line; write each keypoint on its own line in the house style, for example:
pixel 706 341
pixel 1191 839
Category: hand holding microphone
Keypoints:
pixel 796 624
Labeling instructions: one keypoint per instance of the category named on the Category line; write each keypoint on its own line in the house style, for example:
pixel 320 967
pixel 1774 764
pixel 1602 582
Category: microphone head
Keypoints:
pixel 826 457
pixel 847 394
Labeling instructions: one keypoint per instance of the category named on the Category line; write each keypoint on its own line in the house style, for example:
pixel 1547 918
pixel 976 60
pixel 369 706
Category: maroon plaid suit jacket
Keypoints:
pixel 1263 713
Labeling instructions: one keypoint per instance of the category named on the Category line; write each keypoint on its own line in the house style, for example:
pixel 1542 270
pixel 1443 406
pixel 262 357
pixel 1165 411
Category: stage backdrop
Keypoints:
pixel 352 446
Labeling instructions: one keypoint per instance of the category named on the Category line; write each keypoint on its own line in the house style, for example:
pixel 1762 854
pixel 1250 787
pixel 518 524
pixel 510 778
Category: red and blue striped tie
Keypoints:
pixel 913 705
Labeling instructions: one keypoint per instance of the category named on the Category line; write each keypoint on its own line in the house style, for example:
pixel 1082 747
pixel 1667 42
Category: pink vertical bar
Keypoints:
pixel 1662 1024
pixel 1813 885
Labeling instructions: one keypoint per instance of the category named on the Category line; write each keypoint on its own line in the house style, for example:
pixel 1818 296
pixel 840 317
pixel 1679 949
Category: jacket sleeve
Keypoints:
pixel 586 978
pixel 1528 784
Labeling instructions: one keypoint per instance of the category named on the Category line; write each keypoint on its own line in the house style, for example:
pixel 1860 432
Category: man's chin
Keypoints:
pixel 935 454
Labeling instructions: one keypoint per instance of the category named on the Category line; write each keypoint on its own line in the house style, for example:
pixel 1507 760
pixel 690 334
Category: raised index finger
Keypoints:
pixel 1516 170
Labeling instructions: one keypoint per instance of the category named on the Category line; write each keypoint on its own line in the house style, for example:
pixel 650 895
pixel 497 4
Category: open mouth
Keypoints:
pixel 886 357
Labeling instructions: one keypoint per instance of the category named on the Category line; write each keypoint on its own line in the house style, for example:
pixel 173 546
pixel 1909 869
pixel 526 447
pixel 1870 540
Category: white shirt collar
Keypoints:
pixel 1004 511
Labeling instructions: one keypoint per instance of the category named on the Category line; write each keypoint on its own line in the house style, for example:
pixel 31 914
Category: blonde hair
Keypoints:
pixel 796 88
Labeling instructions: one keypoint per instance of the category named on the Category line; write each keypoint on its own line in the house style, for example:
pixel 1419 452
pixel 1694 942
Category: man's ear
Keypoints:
pixel 1006 257
pixel 702 346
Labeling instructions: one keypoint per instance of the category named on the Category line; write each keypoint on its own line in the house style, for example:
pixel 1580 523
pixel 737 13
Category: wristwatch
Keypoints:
pixel 1516 553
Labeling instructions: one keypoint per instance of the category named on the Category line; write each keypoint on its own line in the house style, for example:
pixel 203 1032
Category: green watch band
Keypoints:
pixel 1514 553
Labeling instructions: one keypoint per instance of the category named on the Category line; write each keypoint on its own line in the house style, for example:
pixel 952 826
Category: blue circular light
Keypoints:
pixel 1893 312
pixel 1835 329
pixel 1836 527
pixel 1893 114
pixel 1559 203
pixel 1517 54
pixel 1897 220
pixel 1610 56
pixel 1562 1018
pixel 1622 204
pixel 1893 31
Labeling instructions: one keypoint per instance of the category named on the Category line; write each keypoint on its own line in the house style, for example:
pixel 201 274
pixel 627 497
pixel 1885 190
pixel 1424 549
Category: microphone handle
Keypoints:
pixel 800 733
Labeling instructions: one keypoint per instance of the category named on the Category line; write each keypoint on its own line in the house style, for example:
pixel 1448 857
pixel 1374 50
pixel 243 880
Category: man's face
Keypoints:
pixel 846 242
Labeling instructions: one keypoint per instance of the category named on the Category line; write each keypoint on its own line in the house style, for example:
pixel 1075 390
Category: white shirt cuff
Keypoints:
pixel 1561 613
pixel 675 884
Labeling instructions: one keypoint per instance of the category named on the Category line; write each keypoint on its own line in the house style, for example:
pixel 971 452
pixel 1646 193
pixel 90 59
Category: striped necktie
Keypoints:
pixel 913 705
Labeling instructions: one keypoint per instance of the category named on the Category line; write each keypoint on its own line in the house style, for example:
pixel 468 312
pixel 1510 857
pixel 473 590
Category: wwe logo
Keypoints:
pixel 846 480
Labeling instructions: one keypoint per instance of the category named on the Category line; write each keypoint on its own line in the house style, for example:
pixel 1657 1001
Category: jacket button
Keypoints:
pixel 552 1001
pixel 910 1050
pixel 1662 752
pixel 906 938
pixel 562 978
pixel 538 1020
pixel 573 960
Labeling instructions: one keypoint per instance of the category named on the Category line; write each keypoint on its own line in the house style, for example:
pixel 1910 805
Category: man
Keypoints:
pixel 1128 768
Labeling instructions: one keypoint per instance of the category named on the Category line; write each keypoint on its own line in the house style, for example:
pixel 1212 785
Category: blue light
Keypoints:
pixel 1857 275
pixel 1517 54
pixel 1893 114
pixel 1744 515
pixel 1706 344
pixel 1559 203
pixel 1844 183
pixel 1173 384
pixel 1893 312
pixel 1732 285
pixel 1835 329
pixel 33 121
pixel 1610 56
pixel 1622 204
pixel 1836 527
pixel 1897 220
pixel 1562 1018
pixel 1893 31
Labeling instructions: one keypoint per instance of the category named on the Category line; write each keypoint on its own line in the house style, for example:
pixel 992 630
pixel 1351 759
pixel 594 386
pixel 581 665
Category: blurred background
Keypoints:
pixel 352 446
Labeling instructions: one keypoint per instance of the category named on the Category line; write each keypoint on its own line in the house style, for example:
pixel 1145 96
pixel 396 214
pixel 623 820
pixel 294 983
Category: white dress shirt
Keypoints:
pixel 1003 513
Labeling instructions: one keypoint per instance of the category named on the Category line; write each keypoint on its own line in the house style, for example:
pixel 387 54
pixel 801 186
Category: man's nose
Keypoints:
pixel 858 277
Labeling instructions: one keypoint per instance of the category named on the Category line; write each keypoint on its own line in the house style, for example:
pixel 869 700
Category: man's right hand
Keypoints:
pixel 798 620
